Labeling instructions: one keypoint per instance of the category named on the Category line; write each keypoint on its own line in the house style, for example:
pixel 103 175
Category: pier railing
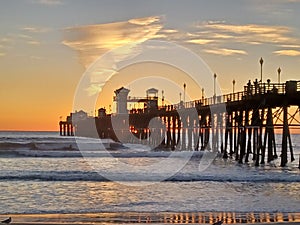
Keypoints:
pixel 249 90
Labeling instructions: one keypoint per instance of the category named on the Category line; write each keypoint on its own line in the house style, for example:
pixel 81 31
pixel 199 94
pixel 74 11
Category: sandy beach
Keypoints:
pixel 156 218
pixel 87 223
pixel 57 189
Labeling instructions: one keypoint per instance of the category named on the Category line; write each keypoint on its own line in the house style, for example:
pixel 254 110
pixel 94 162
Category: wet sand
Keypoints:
pixel 106 223
pixel 156 218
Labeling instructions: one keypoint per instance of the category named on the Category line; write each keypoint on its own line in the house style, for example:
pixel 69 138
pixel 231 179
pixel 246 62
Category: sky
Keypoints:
pixel 47 45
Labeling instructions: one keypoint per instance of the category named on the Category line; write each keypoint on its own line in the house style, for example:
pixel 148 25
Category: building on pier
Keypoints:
pixel 121 100
pixel 67 127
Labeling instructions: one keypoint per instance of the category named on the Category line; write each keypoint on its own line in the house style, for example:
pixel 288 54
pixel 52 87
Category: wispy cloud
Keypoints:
pixel 246 33
pixel 48 2
pixel 290 46
pixel 6 40
pixel 145 20
pixel 200 41
pixel 35 29
pixel 287 52
pixel 214 37
pixel 226 52
pixel 2 54
pixel 92 41
pixel 24 36
pixel 217 37
pixel 32 42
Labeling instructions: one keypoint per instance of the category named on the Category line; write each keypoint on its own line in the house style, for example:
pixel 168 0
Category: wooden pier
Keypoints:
pixel 66 128
pixel 240 125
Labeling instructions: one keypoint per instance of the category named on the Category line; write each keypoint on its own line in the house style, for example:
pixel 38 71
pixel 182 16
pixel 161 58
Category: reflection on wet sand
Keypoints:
pixel 231 217
pixel 164 217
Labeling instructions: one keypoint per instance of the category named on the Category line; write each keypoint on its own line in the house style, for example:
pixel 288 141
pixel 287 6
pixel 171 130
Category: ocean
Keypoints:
pixel 46 177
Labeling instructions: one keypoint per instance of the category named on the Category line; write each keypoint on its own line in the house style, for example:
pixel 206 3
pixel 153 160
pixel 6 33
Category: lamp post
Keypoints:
pixel 233 84
pixel 162 98
pixel 180 97
pixel 279 71
pixel 184 86
pixel 202 93
pixel 261 61
pixel 215 77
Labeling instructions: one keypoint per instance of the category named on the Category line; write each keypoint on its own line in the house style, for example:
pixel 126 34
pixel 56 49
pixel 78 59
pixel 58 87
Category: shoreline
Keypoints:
pixel 156 218
pixel 105 223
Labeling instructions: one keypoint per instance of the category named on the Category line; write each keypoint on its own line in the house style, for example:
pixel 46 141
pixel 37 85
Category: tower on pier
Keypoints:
pixel 121 100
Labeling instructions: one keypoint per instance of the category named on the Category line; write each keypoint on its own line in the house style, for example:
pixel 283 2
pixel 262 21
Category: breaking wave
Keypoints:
pixel 89 176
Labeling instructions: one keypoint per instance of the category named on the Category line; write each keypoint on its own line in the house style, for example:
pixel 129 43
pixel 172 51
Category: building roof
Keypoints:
pixel 152 91
pixel 122 89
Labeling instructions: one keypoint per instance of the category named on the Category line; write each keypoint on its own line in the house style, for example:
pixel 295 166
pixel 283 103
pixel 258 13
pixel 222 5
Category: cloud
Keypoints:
pixel 92 41
pixel 170 31
pixel 226 52
pixel 35 29
pixel 246 33
pixel 200 41
pixel 48 2
pixel 32 42
pixel 24 36
pixel 215 37
pixel 2 54
pixel 290 46
pixel 6 40
pixel 145 20
pixel 287 52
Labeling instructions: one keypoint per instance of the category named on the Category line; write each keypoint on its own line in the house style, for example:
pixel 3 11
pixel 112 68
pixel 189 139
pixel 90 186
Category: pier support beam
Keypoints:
pixel 174 119
pixel 168 131
pixel 60 128
pixel 286 137
pixel 243 137
pixel 270 137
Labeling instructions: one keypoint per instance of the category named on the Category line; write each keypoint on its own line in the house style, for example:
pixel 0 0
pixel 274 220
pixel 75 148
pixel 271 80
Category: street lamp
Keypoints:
pixel 180 97
pixel 233 83
pixel 215 77
pixel 261 61
pixel 202 93
pixel 184 86
pixel 279 71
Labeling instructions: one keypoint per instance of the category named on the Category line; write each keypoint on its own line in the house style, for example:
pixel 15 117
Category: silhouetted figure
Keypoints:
pixel 218 223
pixel 7 221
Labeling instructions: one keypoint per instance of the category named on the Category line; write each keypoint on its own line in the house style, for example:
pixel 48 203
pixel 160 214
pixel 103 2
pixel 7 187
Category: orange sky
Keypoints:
pixel 45 49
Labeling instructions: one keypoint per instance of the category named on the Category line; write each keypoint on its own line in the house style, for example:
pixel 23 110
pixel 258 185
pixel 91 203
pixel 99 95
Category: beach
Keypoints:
pixel 59 186
pixel 158 218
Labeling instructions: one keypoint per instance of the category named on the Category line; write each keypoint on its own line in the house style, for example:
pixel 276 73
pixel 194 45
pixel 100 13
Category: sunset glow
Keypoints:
pixel 46 47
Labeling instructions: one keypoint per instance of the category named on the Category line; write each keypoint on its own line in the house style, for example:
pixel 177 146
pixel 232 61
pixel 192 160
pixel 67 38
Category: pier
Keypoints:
pixel 66 128
pixel 246 128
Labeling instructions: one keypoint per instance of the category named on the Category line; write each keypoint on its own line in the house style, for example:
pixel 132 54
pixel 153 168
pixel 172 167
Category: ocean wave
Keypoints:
pixel 75 176
pixel 66 145
pixel 37 146
pixel 116 152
